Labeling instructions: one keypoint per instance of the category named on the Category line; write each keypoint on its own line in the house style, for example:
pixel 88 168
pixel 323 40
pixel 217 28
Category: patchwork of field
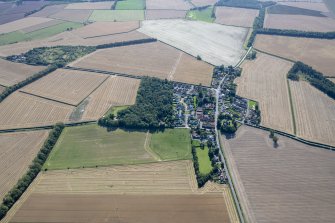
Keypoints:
pixel 214 43
pixel 299 22
pixel 12 73
pixel 235 16
pixel 72 15
pixel 265 81
pixel 317 53
pixel 22 24
pixel 90 5
pixel 41 26
pixel 164 14
pixel 20 110
pixel 106 28
pixel 49 10
pixel 115 91
pixel 151 59
pixel 200 3
pixel 117 15
pixel 314 113
pixel 171 4
pixel 17 151
pixel 291 183
pixel 67 86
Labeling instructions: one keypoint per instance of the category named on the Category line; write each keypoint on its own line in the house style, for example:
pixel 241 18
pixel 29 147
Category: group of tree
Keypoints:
pixel 153 108
pixel 227 123
pixel 297 33
pixel 126 43
pixel 314 77
pixel 15 193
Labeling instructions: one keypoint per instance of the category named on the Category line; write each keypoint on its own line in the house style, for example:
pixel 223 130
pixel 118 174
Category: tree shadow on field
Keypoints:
pixel 229 135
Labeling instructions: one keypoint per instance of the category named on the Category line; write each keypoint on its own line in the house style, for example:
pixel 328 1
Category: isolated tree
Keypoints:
pixel 275 140
pixel 272 134
pixel 199 58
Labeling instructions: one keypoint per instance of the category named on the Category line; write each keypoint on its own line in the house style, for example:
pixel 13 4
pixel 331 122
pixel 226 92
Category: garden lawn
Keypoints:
pixel 205 165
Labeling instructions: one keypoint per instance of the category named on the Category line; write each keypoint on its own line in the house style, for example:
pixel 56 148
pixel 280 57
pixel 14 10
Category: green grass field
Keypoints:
pixel 115 110
pixel 252 104
pixel 117 15
pixel 205 165
pixel 130 5
pixel 91 145
pixel 202 15
pixel 19 36
pixel 172 144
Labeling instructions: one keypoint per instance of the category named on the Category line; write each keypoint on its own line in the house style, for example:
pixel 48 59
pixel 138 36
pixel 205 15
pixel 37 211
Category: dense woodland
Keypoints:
pixel 152 110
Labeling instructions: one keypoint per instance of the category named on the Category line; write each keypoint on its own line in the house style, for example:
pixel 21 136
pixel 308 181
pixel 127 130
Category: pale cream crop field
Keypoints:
pixel 314 113
pixel 235 16
pixel 22 23
pixel 151 59
pixel 115 91
pixel 291 183
pixel 12 73
pixel 20 110
pixel 318 53
pixel 164 14
pixel 67 86
pixel 264 80
pixel 17 151
pixel 171 4
pixel 90 5
pixel 214 43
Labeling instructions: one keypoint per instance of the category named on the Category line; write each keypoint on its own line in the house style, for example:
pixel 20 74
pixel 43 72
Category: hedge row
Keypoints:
pixel 126 43
pixel 15 193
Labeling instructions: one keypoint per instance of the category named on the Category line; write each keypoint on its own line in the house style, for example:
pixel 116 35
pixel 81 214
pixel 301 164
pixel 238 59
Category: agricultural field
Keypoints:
pixel 330 5
pixel 321 7
pixel 2 89
pixel 235 16
pixel 117 15
pixel 41 26
pixel 115 91
pixel 20 110
pixel 106 28
pixel 317 53
pixel 293 182
pixel 13 73
pixel 200 3
pixel 205 166
pixel 201 15
pixel 72 15
pixel 153 59
pixel 66 86
pixel 49 10
pixel 171 4
pixel 214 43
pixel 22 24
pixel 90 5
pixel 130 5
pixel 299 22
pixel 164 14
pixel 264 80
pixel 314 113
pixel 17 151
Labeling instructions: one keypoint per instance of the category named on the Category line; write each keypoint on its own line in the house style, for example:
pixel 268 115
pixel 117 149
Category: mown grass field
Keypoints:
pixel 202 15
pixel 130 5
pixel 117 15
pixel 205 165
pixel 115 110
pixel 19 36
pixel 172 144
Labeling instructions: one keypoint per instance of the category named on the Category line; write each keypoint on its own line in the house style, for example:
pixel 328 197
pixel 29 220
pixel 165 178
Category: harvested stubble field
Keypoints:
pixel 67 86
pixel 164 14
pixel 171 4
pixel 41 26
pixel 314 113
pixel 72 15
pixel 12 73
pixel 2 88
pixel 291 183
pixel 151 59
pixel 106 28
pixel 235 16
pixel 22 24
pixel 264 80
pixel 200 3
pixel 214 43
pixel 90 5
pixel 299 22
pixel 17 151
pixel 49 10
pixel 117 15
pixel 20 110
pixel 115 91
pixel 318 53
pixel 68 39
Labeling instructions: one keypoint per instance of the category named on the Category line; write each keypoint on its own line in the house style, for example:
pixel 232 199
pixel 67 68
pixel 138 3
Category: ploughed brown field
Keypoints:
pixel 17 151
pixel 22 23
pixel 12 73
pixel 264 80
pixel 293 182
pixel 164 14
pixel 318 53
pixel 235 16
pixel 67 86
pixel 151 59
pixel 49 10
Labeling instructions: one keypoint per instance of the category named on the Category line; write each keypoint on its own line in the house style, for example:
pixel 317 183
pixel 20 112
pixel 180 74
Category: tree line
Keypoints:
pixel 314 77
pixel 15 193
pixel 153 108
